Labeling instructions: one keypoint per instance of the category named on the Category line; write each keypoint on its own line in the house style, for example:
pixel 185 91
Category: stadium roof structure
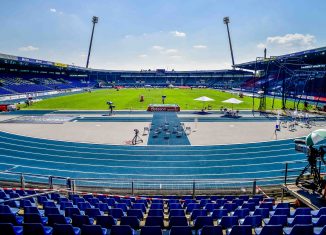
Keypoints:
pixel 315 58
pixel 24 61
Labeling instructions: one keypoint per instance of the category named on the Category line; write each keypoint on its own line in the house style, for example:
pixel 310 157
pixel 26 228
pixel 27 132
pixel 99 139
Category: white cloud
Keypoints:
pixel 142 56
pixel 53 10
pixel 157 48
pixel 28 48
pixel 170 51
pixel 288 42
pixel 199 46
pixel 178 34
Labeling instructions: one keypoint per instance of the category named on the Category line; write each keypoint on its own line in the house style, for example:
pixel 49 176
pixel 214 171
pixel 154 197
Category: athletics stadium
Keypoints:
pixel 238 150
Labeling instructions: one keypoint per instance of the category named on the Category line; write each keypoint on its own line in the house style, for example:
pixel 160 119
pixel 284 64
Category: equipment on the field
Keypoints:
pixel 136 139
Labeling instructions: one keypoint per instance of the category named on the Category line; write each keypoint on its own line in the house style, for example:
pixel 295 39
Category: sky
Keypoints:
pixel 159 34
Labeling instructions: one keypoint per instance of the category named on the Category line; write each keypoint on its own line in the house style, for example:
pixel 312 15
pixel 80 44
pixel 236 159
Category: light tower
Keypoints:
pixel 226 21
pixel 94 21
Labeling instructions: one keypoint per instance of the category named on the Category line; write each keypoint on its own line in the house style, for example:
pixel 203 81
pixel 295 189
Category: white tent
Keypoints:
pixel 232 101
pixel 204 99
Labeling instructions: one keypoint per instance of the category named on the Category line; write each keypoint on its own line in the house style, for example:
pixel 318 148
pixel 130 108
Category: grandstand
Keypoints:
pixel 298 76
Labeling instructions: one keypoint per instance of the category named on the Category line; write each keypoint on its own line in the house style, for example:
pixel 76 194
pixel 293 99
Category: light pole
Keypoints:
pixel 94 21
pixel 226 21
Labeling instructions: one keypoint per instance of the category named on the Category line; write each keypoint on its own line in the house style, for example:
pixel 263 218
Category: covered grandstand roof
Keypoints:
pixel 294 60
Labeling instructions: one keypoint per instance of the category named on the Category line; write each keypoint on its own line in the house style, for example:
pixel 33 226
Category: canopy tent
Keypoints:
pixel 232 101
pixel 316 137
pixel 204 99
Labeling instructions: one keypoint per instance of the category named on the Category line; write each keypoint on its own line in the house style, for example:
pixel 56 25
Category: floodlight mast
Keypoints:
pixel 94 21
pixel 226 21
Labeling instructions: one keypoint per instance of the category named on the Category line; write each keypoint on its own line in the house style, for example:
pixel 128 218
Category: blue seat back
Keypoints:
pixel 219 213
pixel 105 221
pixel 132 221
pixel 92 230
pixel 229 221
pixel 154 221
pixel 180 230
pixel 66 229
pixel 56 219
pixel 202 221
pixel 121 229
pixel 136 212
pixel 241 229
pixel 178 221
pixel 151 230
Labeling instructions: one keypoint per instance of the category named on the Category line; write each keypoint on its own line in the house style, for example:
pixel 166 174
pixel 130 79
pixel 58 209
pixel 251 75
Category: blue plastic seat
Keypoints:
pixel 318 213
pixel 132 221
pixel 317 222
pixel 93 230
pixel 320 230
pixel 5 209
pixel 281 205
pixel 93 212
pixel 126 201
pixel 228 221
pixel 136 212
pixel 9 229
pixel 154 221
pixel 219 213
pixel 210 207
pixel 77 200
pixel 33 210
pixel 269 230
pixel 70 211
pixel 83 205
pixel 240 213
pixel 93 201
pixel 80 220
pixel 198 212
pixel 177 212
pixel 65 204
pixel 300 219
pixel 157 201
pixel 105 221
pixel 203 202
pixel 191 207
pixel 244 197
pixel 175 206
pixel 221 202
pixel 260 197
pixel 280 211
pixel 173 201
pixel 211 230
pixel 299 229
pixel 238 201
pixel 151 230
pixel 158 206
pixel 254 221
pixel 116 213
pixel 249 205
pixel 122 206
pixel 188 201
pixel 143 201
pixel 36 229
pixel 254 200
pixel 216 197
pixel 276 220
pixel 240 230
pixel 104 207
pixel 121 230
pixel 264 212
pixel 49 204
pixel 178 221
pixel 230 206
pixel 155 212
pixel 26 202
pixel 202 221
pixel 229 198
pixel 58 219
pixel 140 206
pixel 109 201
pixel 180 230
pixel 66 229
pixel 11 218
pixel 52 211
pixel 35 218
pixel 301 211
pixel 268 205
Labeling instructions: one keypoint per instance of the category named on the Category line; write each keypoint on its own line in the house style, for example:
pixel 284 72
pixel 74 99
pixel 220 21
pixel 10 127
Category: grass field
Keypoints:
pixel 129 99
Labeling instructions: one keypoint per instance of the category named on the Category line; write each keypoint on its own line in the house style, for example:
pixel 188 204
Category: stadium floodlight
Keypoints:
pixel 226 21
pixel 94 21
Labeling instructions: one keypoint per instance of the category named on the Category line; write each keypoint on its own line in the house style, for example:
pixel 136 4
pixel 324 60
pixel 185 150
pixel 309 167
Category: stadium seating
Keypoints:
pixel 47 218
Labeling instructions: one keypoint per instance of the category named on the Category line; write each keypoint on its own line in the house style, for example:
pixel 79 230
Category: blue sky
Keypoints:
pixel 170 34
